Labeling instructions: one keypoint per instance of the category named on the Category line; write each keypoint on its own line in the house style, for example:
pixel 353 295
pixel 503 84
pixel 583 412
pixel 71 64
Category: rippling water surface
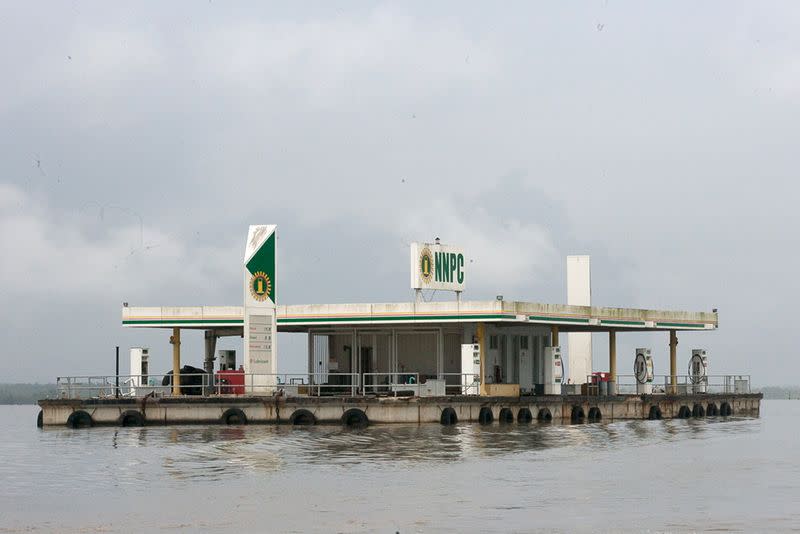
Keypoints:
pixel 681 475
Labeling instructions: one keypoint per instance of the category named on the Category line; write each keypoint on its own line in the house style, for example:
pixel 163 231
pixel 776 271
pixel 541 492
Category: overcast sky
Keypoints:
pixel 138 142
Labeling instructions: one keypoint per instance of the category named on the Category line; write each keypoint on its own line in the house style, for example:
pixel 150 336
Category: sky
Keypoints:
pixel 139 140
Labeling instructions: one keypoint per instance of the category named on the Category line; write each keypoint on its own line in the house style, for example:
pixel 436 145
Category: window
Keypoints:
pixel 492 342
pixel 523 342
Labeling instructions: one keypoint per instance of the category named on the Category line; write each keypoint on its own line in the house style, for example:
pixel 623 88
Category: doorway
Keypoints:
pixel 366 367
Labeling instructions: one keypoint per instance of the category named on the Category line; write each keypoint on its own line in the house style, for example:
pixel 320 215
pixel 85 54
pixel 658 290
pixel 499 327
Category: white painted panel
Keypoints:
pixel 579 293
pixel 579 283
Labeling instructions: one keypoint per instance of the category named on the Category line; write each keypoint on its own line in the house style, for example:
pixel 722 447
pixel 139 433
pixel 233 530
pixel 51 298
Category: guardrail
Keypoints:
pixel 390 383
pixel 464 383
pixel 685 384
pixel 293 384
pixel 355 384
pixel 204 384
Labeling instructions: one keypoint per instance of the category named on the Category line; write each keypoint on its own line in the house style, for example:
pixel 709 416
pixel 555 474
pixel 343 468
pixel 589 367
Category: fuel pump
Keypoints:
pixel 643 369
pixel 140 368
pixel 553 371
pixel 470 368
pixel 698 370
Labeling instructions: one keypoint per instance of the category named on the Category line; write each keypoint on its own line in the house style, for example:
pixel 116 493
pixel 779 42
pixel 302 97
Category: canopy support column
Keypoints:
pixel 673 361
pixel 210 347
pixel 612 362
pixel 175 340
pixel 480 336
pixel 554 336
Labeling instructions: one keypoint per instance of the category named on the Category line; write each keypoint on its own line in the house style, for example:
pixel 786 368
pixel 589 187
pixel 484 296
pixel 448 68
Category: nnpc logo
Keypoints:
pixel 441 266
pixel 260 286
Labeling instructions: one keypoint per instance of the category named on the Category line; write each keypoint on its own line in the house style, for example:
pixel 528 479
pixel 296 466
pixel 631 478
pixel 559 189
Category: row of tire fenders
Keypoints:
pixel 355 417
pixel 697 410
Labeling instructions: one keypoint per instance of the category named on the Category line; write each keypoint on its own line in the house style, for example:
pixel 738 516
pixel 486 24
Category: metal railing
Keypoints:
pixel 685 385
pixel 355 384
pixel 290 384
pixel 464 383
pixel 204 384
pixel 390 383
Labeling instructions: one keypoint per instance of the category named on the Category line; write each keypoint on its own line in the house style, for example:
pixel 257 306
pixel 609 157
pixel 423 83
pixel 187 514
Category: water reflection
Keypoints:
pixel 471 477
pixel 220 452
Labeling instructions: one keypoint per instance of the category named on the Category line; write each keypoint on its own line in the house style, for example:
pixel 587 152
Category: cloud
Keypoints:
pixel 325 61
pixel 112 252
pixel 507 252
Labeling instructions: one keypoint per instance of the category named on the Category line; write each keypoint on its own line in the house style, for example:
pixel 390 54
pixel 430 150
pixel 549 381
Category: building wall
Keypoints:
pixel 506 352
pixel 416 352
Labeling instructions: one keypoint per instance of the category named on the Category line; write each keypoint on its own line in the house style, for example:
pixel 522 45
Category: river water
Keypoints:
pixel 737 474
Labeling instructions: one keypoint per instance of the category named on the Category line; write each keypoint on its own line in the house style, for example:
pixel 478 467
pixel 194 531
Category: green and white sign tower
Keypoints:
pixel 260 307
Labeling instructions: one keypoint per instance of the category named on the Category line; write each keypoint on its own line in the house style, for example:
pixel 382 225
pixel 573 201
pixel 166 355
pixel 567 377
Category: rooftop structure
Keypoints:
pixel 499 347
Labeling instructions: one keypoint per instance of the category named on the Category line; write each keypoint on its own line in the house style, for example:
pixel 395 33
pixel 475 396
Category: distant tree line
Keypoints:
pixel 25 393
pixel 780 392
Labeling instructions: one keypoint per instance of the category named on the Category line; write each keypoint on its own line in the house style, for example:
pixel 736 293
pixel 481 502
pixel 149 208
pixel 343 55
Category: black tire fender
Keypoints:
pixel 80 419
pixel 302 417
pixel 577 415
pixel 355 418
pixel 506 416
pixel 485 416
pixel 131 418
pixel 233 416
pixel 524 416
pixel 449 417
pixel 595 414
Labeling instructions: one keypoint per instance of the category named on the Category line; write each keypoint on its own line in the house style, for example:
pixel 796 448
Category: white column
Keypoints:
pixel 579 293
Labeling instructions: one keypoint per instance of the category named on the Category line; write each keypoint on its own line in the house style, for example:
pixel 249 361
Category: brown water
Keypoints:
pixel 680 475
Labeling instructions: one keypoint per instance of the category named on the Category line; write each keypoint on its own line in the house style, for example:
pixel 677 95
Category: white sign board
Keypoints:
pixel 437 267
pixel 260 301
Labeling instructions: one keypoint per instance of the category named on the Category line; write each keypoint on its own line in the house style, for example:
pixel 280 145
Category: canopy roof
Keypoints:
pixel 302 318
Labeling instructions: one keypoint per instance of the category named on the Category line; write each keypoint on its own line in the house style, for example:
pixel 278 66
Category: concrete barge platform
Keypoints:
pixel 361 411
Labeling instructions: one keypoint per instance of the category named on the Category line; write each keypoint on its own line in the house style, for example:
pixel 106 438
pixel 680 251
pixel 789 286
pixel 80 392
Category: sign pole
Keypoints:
pixel 116 389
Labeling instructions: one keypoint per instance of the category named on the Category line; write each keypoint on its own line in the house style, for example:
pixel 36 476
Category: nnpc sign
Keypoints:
pixel 437 267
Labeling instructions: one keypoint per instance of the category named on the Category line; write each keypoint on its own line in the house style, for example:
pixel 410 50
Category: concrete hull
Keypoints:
pixel 333 410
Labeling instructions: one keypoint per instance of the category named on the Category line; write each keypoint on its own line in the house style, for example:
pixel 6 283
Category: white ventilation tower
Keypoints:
pixel 579 293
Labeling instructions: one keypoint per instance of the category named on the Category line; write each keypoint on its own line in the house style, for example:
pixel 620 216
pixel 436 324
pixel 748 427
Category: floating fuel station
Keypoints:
pixel 419 361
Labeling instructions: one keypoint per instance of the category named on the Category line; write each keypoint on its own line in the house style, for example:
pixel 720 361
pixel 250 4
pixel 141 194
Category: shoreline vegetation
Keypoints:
pixel 30 393
pixel 26 393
